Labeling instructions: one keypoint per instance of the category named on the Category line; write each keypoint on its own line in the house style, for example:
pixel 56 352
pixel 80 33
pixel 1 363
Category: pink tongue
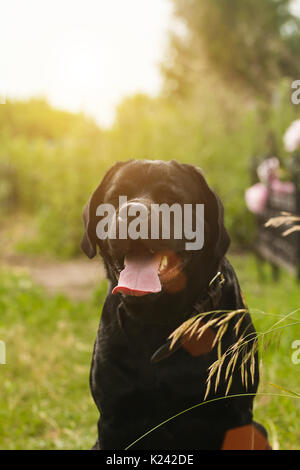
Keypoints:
pixel 140 275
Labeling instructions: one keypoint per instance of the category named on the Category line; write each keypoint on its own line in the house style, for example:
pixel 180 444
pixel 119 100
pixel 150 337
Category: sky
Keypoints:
pixel 83 55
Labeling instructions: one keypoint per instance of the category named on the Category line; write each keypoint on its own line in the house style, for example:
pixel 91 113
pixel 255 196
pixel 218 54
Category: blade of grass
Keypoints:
pixel 205 403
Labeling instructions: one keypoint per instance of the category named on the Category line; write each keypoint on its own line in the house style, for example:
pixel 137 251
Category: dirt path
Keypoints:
pixel 76 278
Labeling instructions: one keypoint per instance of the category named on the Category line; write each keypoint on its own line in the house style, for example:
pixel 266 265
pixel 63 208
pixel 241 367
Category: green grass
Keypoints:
pixel 44 391
pixel 279 415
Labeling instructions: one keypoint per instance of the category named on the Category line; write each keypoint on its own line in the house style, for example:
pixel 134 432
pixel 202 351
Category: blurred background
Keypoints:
pixel 85 84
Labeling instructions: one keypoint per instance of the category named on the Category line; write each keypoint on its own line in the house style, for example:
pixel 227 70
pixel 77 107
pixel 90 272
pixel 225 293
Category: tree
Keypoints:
pixel 247 45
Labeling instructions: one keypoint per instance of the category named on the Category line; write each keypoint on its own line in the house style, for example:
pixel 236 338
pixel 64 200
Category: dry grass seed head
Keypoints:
pixel 286 218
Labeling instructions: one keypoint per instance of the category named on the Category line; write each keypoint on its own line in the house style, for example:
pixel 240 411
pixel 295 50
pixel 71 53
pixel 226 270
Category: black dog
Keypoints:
pixel 136 380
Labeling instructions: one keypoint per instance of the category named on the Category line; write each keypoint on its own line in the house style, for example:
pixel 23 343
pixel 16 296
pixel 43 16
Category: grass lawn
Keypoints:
pixel 44 391
pixel 268 301
pixel 44 388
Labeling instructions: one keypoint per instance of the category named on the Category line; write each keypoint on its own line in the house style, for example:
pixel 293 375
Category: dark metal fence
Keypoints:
pixel 270 244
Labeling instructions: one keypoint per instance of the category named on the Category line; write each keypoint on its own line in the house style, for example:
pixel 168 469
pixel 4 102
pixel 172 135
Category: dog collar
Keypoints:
pixel 209 300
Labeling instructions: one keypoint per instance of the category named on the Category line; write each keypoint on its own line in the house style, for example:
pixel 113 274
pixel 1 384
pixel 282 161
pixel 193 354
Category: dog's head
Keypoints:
pixel 152 261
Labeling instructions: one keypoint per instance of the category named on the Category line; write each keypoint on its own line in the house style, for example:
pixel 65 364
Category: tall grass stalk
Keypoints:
pixel 292 395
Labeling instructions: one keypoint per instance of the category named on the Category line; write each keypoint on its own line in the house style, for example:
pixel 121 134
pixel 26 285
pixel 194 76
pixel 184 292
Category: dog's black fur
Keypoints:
pixel 132 393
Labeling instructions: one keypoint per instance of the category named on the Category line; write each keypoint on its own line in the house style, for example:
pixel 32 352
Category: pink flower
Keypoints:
pixel 283 187
pixel 256 198
pixel 292 136
pixel 268 169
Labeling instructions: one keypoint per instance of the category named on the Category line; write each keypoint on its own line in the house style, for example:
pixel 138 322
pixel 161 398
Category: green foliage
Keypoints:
pixel 36 119
pixel 48 171
pixel 249 45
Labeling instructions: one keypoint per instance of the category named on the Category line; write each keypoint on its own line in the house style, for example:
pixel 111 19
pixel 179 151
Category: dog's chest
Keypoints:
pixel 124 363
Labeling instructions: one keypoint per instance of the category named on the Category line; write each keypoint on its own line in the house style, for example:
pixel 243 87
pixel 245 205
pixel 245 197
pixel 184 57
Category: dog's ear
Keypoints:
pixel 88 245
pixel 223 239
pixel 213 213
pixel 89 240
